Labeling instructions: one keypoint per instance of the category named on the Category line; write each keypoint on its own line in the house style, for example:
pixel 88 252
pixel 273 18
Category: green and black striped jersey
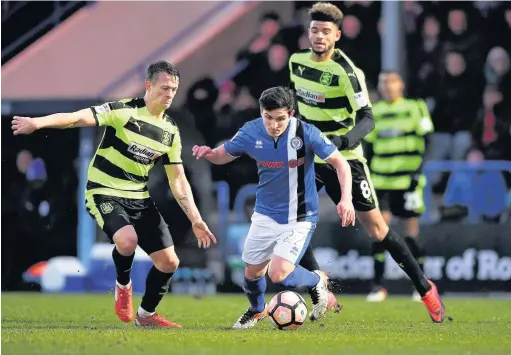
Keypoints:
pixel 398 142
pixel 329 94
pixel 133 141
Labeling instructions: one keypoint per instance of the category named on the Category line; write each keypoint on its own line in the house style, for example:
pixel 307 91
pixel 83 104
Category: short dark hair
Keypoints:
pixel 327 12
pixel 161 66
pixel 392 71
pixel 271 16
pixel 277 97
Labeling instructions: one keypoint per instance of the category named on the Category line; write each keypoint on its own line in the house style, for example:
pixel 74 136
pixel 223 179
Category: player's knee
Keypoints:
pixel 126 240
pixel 167 265
pixel 254 271
pixel 374 224
pixel 277 275
pixel 377 231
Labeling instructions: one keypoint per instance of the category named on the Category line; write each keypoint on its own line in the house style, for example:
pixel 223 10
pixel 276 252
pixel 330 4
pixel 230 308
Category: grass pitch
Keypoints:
pixel 86 324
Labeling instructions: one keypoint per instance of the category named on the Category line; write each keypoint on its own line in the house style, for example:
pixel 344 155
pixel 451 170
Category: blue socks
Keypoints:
pixel 254 289
pixel 300 277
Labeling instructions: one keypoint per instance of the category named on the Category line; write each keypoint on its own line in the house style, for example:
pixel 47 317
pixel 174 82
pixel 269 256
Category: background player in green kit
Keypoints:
pixel 138 133
pixel 398 144
pixel 332 95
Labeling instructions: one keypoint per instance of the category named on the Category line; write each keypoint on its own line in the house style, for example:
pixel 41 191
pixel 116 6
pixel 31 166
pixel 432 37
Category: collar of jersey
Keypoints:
pixel 337 54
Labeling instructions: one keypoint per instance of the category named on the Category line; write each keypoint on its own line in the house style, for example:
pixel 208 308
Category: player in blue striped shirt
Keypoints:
pixel 286 209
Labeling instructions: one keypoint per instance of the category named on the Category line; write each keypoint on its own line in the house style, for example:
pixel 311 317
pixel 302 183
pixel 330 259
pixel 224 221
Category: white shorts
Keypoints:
pixel 267 238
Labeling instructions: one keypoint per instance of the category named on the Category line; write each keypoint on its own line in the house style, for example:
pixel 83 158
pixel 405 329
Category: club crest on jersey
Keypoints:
pixel 326 78
pixel 296 143
pixel 106 207
pixel 166 138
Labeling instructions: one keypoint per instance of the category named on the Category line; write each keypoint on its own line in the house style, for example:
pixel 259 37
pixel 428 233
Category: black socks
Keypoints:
pixel 402 255
pixel 156 286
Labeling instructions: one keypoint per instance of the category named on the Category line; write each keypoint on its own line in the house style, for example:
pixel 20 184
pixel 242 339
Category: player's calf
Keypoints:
pixel 395 244
pixel 123 288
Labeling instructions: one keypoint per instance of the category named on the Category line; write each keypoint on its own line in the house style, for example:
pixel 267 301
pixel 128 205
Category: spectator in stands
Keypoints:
pixel 458 101
pixel 269 27
pixel 19 182
pixel 11 241
pixel 496 66
pixel 411 11
pixel 492 136
pixel 40 217
pixel 269 70
pixel 23 160
pixel 463 39
pixel 366 57
pixel 424 62
pixel 201 98
pixel 303 41
pixel 498 29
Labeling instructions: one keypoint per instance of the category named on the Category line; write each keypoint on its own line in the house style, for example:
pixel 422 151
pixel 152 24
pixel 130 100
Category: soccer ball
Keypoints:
pixel 287 310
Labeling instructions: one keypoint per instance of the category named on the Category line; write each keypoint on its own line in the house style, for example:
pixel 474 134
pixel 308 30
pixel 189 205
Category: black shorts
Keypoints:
pixel 364 197
pixel 403 204
pixel 112 213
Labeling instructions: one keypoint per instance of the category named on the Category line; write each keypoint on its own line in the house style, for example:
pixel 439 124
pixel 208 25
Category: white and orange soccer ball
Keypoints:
pixel 287 310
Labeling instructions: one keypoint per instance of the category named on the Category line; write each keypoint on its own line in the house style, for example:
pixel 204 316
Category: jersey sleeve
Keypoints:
pixel 107 114
pixel 174 154
pixel 424 122
pixel 321 145
pixel 290 66
pixel 237 146
pixel 354 86
pixel 371 137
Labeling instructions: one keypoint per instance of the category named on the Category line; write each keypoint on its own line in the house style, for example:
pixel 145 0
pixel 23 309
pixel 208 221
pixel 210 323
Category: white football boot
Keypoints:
pixel 319 295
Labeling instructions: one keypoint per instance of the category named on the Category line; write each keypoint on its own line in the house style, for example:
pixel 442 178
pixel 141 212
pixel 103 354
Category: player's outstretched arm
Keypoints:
pixel 217 156
pixel 183 193
pixel 27 125
pixel 345 207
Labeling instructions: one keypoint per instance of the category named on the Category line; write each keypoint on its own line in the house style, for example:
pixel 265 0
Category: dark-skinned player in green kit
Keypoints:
pixel 332 95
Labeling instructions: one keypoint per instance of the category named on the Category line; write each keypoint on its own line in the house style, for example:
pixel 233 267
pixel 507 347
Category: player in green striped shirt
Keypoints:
pixel 332 95
pixel 138 133
pixel 398 144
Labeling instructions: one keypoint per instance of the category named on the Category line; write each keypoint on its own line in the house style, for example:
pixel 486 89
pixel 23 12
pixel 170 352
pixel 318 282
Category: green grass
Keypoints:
pixel 86 324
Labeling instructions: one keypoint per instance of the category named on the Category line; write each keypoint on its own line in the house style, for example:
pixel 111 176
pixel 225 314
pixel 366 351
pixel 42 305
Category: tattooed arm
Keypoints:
pixel 182 191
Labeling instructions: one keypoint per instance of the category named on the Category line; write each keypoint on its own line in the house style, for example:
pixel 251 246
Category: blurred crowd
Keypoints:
pixel 457 59
pixel 39 199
